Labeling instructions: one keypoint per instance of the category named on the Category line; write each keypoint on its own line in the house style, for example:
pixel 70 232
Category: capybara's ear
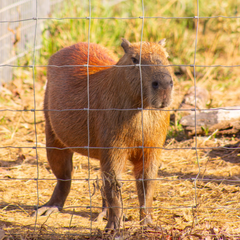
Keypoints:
pixel 162 42
pixel 125 44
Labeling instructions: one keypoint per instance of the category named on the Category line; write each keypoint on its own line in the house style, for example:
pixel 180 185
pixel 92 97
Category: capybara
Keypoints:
pixel 115 114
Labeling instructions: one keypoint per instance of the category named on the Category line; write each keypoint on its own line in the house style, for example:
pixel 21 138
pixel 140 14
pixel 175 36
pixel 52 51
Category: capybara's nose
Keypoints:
pixel 164 82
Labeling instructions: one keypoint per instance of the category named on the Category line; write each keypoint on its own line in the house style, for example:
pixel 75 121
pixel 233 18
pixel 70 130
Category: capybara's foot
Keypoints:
pixel 147 221
pixel 102 215
pixel 113 225
pixel 45 211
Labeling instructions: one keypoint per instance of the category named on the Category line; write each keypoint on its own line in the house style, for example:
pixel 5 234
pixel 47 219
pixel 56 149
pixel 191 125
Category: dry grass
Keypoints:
pixel 183 208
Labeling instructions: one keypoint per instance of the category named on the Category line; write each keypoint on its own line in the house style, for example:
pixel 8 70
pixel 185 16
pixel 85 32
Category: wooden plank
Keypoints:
pixel 226 120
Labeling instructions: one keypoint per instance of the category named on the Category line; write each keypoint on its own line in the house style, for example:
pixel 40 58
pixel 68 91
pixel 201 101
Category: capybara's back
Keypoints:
pixel 78 55
pixel 111 113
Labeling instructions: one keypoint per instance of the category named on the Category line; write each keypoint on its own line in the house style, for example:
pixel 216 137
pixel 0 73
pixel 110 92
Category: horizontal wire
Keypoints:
pixel 136 147
pixel 222 180
pixel 107 66
pixel 168 208
pixel 202 110
pixel 116 18
pixel 129 208
pixel 96 233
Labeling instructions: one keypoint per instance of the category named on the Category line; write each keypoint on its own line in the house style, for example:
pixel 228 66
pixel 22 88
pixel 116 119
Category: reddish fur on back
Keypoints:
pixel 98 56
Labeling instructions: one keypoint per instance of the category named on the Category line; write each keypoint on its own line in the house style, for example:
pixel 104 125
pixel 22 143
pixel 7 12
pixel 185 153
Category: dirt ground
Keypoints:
pixel 197 194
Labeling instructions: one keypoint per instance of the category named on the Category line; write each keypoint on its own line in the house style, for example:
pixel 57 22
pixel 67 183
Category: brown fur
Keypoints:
pixel 115 135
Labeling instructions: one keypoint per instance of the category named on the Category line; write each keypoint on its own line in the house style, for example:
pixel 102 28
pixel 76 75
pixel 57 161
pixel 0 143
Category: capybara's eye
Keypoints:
pixel 135 61
pixel 171 83
pixel 155 84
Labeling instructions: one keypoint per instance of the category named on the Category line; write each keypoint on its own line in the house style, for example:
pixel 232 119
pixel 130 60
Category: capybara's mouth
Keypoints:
pixel 164 106
pixel 160 105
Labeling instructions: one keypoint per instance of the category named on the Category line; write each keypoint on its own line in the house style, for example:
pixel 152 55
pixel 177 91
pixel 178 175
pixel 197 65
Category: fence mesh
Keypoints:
pixel 197 191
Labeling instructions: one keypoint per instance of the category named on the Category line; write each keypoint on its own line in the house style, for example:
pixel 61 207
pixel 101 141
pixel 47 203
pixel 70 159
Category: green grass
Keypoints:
pixel 176 132
pixel 3 120
pixel 217 37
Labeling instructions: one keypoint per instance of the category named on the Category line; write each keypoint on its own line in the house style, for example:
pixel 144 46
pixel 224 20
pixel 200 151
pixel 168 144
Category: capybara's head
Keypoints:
pixel 155 74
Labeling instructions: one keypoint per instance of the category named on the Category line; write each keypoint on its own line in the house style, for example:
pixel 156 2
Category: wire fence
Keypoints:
pixel 29 21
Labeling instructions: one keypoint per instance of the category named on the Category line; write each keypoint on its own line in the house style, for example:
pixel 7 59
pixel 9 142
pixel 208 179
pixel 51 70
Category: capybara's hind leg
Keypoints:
pixel 145 175
pixel 60 162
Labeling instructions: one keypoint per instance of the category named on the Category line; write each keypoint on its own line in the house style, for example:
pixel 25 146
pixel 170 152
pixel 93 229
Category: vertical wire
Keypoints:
pixel 88 99
pixel 34 110
pixel 141 85
pixel 195 107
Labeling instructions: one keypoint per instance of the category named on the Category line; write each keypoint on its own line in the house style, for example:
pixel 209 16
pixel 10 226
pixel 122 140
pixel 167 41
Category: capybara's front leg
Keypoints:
pixel 111 172
pixel 112 189
pixel 60 162
pixel 145 175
